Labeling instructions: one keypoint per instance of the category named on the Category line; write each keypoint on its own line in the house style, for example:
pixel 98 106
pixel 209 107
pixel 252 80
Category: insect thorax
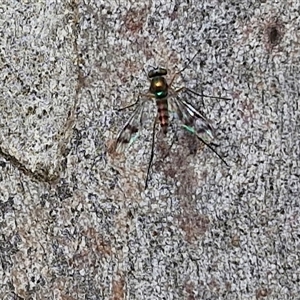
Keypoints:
pixel 159 87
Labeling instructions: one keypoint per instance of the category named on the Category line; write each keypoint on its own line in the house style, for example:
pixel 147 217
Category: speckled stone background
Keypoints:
pixel 75 220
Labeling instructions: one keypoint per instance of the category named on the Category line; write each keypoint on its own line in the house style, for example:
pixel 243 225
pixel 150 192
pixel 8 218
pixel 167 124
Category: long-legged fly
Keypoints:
pixel 167 101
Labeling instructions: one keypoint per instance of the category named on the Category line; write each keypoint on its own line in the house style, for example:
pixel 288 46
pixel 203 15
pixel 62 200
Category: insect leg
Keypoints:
pixel 202 95
pixel 176 74
pixel 148 95
pixel 182 89
pixel 130 105
pixel 190 61
pixel 171 82
pixel 212 149
pixel 152 152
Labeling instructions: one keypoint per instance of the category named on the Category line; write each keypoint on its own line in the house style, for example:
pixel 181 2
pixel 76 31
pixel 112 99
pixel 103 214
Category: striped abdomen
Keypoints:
pixel 163 114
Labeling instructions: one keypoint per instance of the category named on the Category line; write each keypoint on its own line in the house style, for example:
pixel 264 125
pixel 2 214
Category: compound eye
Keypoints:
pixel 162 71
pixel 157 72
pixel 151 73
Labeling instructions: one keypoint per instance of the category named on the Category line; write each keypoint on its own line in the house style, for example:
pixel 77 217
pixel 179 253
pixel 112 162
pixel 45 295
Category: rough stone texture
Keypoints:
pixel 75 220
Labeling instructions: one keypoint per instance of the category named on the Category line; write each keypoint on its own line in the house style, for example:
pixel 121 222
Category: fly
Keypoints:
pixel 166 100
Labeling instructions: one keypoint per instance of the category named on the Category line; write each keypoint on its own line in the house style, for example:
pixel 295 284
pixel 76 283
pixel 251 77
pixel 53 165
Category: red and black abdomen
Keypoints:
pixel 163 114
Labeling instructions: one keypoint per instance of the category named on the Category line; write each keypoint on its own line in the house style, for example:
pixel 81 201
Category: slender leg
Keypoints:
pixel 197 94
pixel 130 105
pixel 203 95
pixel 212 149
pixel 148 95
pixel 152 152
pixel 175 75
pixel 189 61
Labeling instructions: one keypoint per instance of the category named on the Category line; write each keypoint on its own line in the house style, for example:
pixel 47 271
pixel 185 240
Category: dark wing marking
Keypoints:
pixel 129 133
pixel 192 120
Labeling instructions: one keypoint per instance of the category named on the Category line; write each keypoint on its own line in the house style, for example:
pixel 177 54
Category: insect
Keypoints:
pixel 167 101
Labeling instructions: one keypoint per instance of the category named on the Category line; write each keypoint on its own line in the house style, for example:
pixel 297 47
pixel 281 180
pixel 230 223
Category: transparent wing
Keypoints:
pixel 130 131
pixel 191 119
